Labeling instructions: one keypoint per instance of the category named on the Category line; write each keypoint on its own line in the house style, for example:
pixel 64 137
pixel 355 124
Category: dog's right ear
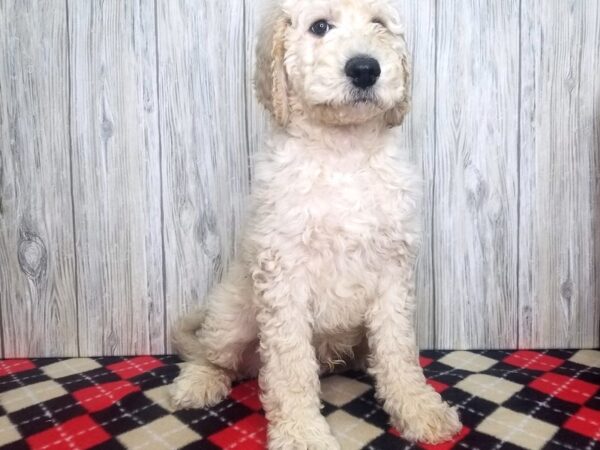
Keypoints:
pixel 270 79
pixel 395 116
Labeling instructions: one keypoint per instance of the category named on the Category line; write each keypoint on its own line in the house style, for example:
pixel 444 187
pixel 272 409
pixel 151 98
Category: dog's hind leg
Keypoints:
pixel 200 384
pixel 219 342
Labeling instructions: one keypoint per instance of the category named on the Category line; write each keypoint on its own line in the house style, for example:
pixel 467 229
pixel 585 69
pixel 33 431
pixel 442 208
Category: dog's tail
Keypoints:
pixel 184 335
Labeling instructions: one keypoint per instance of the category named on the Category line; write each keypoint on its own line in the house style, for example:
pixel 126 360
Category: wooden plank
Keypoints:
pixel 37 268
pixel 462 133
pixel 559 257
pixel 116 176
pixel 204 147
pixel 417 136
pixel 476 198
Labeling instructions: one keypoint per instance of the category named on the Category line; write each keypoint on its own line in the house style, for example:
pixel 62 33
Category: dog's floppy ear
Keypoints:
pixel 270 79
pixel 395 116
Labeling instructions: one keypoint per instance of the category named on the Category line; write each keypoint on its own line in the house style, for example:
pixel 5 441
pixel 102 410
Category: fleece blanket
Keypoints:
pixel 543 399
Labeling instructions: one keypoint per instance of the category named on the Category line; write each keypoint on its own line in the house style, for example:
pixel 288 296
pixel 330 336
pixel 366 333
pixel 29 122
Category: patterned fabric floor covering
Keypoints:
pixel 507 400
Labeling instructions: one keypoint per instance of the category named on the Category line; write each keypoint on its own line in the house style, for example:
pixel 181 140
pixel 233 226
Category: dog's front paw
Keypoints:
pixel 302 435
pixel 199 387
pixel 432 421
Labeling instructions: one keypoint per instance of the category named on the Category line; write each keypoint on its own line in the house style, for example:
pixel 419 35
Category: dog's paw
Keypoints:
pixel 302 435
pixel 430 422
pixel 199 387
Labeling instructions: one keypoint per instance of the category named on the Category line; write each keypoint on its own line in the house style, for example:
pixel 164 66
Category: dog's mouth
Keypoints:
pixel 362 96
pixel 357 105
pixel 352 98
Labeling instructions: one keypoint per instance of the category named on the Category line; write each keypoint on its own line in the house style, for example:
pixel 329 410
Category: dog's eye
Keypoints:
pixel 320 27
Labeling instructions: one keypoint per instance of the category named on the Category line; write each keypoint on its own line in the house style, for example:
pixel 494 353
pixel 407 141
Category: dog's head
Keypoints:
pixel 338 61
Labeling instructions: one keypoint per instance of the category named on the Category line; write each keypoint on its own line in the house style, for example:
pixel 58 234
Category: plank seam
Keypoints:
pixel 160 163
pixel 519 103
pixel 433 183
pixel 69 126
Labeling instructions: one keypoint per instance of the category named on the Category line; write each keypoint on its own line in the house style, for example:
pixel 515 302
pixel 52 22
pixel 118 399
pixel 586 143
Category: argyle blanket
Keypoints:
pixel 507 400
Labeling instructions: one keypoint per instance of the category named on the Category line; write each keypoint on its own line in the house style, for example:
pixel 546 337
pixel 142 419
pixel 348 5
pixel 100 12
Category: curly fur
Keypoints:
pixel 326 269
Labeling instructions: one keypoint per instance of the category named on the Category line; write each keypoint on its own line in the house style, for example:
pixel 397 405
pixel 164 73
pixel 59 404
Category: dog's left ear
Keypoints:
pixel 395 116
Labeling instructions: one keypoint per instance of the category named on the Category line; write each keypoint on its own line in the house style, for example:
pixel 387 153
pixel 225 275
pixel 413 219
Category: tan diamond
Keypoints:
pixel 339 390
pixel 352 432
pixel 490 388
pixel 30 395
pixel 165 433
pixel 161 397
pixel 70 367
pixel 518 429
pixel 470 361
pixel 8 432
pixel 587 358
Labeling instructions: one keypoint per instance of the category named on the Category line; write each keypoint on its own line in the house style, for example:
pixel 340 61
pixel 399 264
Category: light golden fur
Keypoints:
pixel 325 274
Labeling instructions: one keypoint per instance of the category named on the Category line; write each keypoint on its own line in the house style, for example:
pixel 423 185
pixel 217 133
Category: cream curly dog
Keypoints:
pixel 326 267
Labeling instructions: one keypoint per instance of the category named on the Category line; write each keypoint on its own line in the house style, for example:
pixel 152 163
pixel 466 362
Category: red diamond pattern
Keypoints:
pixel 15 366
pixel 247 394
pixel 586 421
pixel 249 434
pixel 102 396
pixel 135 366
pixel 564 387
pixel 533 360
pixel 79 433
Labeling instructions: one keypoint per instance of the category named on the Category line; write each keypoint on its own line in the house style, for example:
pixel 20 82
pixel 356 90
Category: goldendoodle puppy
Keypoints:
pixel 325 271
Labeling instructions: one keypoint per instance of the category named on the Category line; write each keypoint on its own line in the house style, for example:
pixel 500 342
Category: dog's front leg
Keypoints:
pixel 289 373
pixel 414 407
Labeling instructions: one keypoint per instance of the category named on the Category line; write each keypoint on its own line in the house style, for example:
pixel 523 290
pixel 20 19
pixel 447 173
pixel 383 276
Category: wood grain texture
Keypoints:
pixel 37 276
pixel 116 169
pixel 126 131
pixel 417 136
pixel 202 80
pixel 560 195
pixel 476 195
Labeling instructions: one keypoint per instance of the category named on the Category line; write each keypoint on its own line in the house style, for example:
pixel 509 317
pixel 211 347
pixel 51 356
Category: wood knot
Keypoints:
pixel 566 290
pixel 108 129
pixel 207 235
pixel 111 341
pixel 32 254
pixel 571 82
pixel 476 186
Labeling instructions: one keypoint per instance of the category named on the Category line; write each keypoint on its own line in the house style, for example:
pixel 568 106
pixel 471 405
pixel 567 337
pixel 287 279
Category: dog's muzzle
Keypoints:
pixel 363 71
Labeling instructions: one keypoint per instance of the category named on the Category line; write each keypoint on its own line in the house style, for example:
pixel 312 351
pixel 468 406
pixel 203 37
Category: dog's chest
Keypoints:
pixel 338 226
pixel 355 225
pixel 351 213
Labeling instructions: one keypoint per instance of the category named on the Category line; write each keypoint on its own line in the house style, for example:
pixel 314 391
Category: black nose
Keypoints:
pixel 363 71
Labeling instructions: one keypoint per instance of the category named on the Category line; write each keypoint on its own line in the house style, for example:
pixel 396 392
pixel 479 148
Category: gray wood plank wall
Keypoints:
pixel 126 136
